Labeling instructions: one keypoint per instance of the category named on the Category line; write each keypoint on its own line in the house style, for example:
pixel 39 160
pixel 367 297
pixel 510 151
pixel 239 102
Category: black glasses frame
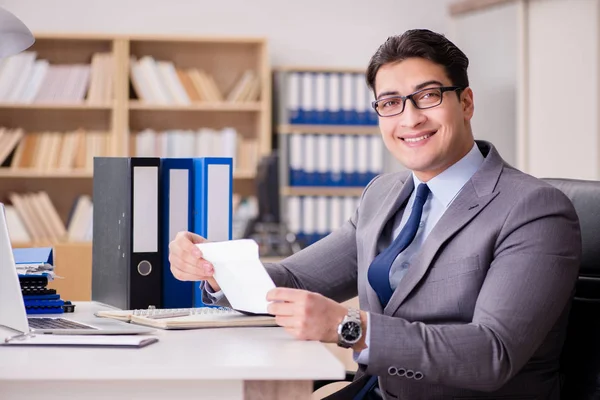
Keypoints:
pixel 442 89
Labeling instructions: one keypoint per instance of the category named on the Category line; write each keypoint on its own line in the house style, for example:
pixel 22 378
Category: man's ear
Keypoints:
pixel 467 103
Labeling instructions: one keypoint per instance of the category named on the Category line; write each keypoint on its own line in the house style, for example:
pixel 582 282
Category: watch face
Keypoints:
pixel 351 331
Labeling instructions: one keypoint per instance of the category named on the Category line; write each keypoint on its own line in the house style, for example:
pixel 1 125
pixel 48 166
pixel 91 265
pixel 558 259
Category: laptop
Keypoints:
pixel 12 306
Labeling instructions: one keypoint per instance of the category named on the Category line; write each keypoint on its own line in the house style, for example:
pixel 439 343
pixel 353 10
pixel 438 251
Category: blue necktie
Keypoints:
pixel 379 270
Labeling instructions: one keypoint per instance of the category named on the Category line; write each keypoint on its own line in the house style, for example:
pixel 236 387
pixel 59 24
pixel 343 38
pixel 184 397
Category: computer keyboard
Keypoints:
pixel 55 323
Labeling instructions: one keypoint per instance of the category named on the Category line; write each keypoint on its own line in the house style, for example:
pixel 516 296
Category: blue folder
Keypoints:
pixel 179 294
pixel 34 255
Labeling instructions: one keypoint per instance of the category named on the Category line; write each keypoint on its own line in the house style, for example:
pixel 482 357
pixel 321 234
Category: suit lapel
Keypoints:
pixel 399 193
pixel 472 199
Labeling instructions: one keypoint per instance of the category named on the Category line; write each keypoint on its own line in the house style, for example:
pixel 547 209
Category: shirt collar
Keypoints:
pixel 446 185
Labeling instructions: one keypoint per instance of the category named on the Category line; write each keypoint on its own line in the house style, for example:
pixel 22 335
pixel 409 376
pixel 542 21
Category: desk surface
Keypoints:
pixel 200 354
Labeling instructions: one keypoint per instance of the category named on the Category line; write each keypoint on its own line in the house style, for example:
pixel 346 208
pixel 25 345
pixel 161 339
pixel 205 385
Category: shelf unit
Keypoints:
pixel 224 58
pixel 286 128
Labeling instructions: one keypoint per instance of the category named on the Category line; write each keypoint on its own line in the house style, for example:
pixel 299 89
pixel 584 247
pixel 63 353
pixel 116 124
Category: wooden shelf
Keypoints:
pixel 240 174
pixel 329 129
pixel 175 118
pixel 291 68
pixel 56 106
pixel 57 118
pixel 254 106
pixel 50 244
pixel 24 173
pixel 321 191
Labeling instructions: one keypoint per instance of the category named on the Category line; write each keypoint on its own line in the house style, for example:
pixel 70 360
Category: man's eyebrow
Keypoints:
pixel 428 83
pixel 391 93
pixel 417 87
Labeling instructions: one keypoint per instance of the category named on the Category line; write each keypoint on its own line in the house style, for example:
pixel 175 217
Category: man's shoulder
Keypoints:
pixel 513 178
pixel 522 186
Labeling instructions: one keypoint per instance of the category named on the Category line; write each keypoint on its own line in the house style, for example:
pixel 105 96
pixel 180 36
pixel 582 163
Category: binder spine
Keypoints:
pixel 177 201
pixel 111 231
pixel 212 213
pixel 145 270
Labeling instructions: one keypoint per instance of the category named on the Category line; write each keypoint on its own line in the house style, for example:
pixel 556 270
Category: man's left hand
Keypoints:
pixel 306 315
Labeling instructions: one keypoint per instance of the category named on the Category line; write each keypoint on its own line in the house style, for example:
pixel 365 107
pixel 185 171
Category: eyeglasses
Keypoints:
pixel 421 99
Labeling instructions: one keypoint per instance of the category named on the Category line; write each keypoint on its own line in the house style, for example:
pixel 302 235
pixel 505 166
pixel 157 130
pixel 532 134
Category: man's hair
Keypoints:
pixel 421 43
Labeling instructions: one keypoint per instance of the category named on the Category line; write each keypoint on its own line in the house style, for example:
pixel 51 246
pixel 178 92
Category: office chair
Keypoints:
pixel 580 358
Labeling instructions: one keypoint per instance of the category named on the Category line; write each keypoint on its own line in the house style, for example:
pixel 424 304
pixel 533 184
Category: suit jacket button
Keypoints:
pixel 401 372
pixel 392 370
pixel 418 376
pixel 410 374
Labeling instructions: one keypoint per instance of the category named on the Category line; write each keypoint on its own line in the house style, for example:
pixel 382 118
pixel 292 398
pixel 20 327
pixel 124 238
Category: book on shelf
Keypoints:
pixel 52 151
pixel 162 82
pixel 247 88
pixel 9 140
pixel 189 318
pixel 204 142
pixel 31 217
pixel 25 79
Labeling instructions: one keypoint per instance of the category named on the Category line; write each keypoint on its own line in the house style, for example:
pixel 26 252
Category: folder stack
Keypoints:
pixel 331 147
pixel 140 204
pixel 324 98
pixel 35 270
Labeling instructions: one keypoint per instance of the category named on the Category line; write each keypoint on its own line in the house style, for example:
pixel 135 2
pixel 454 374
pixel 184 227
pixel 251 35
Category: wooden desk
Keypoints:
pixel 232 363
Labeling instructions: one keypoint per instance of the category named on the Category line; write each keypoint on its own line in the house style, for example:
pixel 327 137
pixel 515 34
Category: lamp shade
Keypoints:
pixel 14 35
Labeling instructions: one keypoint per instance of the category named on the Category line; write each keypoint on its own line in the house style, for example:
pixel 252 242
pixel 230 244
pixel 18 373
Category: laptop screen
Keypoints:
pixel 12 307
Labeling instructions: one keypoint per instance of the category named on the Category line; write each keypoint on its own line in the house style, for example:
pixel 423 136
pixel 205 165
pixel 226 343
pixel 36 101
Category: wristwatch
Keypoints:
pixel 350 329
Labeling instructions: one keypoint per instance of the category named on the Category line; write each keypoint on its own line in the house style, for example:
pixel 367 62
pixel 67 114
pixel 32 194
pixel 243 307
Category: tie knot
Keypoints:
pixel 422 191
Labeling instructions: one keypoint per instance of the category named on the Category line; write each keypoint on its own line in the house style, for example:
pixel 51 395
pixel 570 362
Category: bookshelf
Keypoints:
pixel 329 146
pixel 116 112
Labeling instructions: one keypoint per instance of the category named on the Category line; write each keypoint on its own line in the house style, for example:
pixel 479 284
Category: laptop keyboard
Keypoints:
pixel 55 323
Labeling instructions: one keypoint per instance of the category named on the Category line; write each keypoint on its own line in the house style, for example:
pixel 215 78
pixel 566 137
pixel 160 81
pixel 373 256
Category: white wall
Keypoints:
pixel 342 33
pixel 493 61
pixel 564 94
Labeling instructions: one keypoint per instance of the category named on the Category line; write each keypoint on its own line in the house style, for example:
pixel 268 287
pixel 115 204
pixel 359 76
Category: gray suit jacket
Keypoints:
pixel 482 310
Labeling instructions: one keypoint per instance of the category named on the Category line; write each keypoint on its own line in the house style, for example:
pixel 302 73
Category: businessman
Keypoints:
pixel 464 266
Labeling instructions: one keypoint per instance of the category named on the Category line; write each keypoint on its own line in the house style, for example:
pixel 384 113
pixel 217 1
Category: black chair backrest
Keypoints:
pixel 580 359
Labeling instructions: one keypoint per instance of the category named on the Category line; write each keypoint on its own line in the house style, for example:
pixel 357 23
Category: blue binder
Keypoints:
pixel 177 176
pixel 197 197
pixel 212 215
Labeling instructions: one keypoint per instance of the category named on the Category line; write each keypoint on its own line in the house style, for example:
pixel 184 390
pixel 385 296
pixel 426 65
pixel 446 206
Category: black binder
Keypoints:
pixel 126 249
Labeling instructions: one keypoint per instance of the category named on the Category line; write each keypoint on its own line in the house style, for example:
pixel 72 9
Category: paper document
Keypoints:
pixel 239 272
pixel 81 340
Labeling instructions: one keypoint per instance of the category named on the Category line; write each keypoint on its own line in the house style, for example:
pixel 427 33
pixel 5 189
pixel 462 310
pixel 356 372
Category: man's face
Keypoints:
pixel 424 141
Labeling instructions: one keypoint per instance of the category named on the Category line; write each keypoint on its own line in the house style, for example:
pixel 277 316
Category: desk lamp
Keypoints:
pixel 14 35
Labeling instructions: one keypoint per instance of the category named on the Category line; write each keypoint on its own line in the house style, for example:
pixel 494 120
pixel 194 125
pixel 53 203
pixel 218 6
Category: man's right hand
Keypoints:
pixel 186 260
